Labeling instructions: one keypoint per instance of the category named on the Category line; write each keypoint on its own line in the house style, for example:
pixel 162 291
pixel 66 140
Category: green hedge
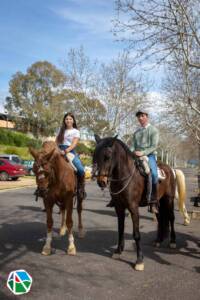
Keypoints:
pixel 14 138
pixel 13 142
pixel 23 152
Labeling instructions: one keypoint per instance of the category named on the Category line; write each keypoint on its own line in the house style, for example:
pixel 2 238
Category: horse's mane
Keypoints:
pixel 125 147
pixel 109 141
pixel 47 146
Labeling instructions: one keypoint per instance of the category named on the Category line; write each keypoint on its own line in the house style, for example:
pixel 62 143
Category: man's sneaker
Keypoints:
pixel 153 208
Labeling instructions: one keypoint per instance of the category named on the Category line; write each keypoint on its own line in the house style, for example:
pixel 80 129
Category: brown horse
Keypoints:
pixel 114 164
pixel 56 181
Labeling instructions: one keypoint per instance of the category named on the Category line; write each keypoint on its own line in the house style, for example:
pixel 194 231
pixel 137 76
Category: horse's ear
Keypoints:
pixel 33 152
pixel 112 140
pixel 97 138
pixel 49 154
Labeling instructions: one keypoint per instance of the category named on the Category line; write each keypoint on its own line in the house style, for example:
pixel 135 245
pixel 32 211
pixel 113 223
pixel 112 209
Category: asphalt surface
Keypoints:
pixel 92 273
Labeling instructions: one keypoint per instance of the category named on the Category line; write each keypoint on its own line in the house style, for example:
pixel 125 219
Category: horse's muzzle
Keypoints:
pixel 102 181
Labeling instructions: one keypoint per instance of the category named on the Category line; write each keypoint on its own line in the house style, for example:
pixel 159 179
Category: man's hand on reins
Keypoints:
pixel 138 153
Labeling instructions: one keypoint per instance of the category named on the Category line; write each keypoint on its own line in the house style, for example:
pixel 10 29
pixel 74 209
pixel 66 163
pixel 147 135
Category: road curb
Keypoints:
pixel 16 188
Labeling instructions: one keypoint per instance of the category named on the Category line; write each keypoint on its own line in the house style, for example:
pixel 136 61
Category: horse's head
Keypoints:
pixel 43 169
pixel 103 162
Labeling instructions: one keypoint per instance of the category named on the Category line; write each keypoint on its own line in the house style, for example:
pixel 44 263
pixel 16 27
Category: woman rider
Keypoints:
pixel 67 140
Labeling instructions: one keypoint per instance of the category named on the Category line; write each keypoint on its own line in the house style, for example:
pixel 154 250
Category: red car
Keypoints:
pixel 10 170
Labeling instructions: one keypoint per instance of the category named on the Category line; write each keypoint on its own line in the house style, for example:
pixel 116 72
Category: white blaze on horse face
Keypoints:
pixel 41 176
pixel 40 169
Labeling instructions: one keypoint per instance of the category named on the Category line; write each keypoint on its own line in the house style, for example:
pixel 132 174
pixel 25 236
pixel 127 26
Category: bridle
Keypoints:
pixel 41 173
pixel 110 179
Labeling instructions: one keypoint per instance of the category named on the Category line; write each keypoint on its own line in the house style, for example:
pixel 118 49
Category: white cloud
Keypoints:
pixel 97 22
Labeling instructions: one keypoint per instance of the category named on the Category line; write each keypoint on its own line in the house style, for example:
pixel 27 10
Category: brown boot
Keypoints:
pixel 153 204
pixel 81 187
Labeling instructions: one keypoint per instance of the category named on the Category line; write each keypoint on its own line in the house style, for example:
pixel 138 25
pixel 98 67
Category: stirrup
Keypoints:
pixel 152 202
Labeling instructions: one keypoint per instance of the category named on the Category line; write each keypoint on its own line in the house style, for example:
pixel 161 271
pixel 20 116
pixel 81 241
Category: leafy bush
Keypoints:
pixel 23 152
pixel 83 149
pixel 13 138
pixel 86 160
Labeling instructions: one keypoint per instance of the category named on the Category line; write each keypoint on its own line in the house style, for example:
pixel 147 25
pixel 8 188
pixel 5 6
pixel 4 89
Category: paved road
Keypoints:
pixel 93 274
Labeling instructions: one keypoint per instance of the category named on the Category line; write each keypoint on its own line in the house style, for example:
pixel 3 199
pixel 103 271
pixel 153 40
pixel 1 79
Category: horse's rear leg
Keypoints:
pixel 139 265
pixel 69 222
pixel 47 247
pixel 79 210
pixel 121 217
pixel 63 227
pixel 171 219
pixel 159 237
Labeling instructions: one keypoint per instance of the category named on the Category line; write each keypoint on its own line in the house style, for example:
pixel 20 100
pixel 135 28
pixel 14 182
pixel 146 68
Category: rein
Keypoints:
pixel 124 187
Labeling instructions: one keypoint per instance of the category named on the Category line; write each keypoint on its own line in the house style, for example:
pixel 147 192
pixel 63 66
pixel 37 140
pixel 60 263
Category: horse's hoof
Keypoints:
pixel 139 267
pixel 81 234
pixel 71 250
pixel 186 222
pixel 172 245
pixel 156 244
pixel 46 251
pixel 116 256
pixel 62 231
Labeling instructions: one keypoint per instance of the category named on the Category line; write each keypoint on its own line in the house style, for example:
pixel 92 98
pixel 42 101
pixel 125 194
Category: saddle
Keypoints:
pixel 142 163
pixel 70 156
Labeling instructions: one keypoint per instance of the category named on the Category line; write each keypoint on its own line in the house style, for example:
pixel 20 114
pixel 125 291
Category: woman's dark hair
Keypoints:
pixel 63 127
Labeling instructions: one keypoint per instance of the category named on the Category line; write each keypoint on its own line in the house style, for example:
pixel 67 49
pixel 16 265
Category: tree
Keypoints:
pixel 160 29
pixel 121 94
pixel 36 98
pixel 183 104
pixel 82 81
pixel 167 31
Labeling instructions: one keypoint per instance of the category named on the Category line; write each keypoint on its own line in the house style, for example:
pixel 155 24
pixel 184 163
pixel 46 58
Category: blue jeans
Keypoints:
pixel 153 167
pixel 76 161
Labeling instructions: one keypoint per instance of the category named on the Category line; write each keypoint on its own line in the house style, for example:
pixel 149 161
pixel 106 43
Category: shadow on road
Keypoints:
pixel 18 239
pixel 112 213
pixel 28 207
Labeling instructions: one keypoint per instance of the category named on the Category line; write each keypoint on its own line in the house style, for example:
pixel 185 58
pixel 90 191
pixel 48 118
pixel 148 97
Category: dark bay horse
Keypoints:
pixel 56 181
pixel 114 164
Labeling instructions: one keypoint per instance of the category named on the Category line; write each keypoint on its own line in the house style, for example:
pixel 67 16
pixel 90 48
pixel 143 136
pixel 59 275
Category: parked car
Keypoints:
pixel 12 157
pixel 10 170
pixel 28 165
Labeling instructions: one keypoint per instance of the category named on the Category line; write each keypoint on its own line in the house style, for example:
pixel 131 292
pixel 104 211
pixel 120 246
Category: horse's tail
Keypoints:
pixel 181 194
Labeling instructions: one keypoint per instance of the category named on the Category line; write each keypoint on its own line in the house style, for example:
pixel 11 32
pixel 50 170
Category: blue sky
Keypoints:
pixel 32 30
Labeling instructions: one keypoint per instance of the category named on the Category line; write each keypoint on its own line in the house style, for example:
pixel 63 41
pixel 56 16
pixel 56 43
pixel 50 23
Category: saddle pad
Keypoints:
pixel 70 157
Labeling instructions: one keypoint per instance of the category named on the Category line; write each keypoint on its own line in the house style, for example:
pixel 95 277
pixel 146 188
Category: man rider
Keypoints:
pixel 145 143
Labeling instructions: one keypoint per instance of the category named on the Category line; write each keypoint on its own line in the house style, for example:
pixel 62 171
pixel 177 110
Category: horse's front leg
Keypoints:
pixel 69 222
pixel 47 247
pixel 63 227
pixel 79 211
pixel 120 211
pixel 139 265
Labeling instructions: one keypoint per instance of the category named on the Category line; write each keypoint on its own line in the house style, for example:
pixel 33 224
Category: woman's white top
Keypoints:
pixel 69 135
